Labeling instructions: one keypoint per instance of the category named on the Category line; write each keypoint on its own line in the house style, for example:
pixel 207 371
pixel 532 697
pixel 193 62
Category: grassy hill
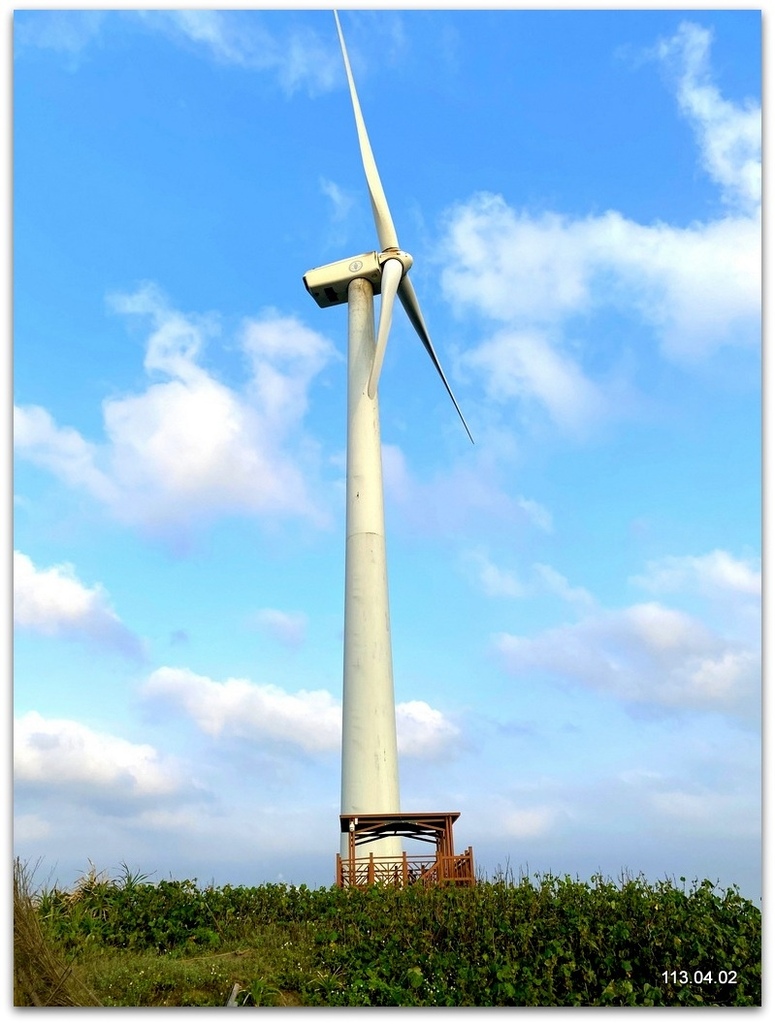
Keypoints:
pixel 541 941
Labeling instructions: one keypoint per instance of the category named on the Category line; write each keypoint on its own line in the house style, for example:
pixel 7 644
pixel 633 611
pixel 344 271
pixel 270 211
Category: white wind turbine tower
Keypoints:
pixel 369 750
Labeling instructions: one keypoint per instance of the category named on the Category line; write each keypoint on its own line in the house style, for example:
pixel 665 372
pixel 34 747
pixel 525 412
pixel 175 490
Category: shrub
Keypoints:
pixel 541 941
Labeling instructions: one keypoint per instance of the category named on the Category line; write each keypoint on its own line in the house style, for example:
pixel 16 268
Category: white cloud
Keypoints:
pixel 558 584
pixel 424 732
pixel 524 364
pixel 308 720
pixel 643 654
pixel 696 287
pixel 529 822
pixel 716 572
pixel 287 627
pixel 66 32
pixel 61 450
pixel 299 58
pixel 285 356
pixel 189 448
pixel 30 828
pixel 444 504
pixel 59 755
pixel 211 29
pixel 705 787
pixel 729 135
pixel 538 514
pixel 706 812
pixel 341 201
pixel 54 602
pixel 491 578
pixel 650 654
pixel 699 287
pixel 524 810
pixel 495 581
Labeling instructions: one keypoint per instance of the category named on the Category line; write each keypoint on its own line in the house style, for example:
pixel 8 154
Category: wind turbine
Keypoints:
pixel 369 749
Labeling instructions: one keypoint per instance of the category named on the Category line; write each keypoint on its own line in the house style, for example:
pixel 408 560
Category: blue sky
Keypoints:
pixel 575 599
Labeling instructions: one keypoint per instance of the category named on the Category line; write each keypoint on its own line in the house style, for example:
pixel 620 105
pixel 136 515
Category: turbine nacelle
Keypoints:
pixel 328 284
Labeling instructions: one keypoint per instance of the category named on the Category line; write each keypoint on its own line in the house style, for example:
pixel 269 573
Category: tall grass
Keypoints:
pixel 41 974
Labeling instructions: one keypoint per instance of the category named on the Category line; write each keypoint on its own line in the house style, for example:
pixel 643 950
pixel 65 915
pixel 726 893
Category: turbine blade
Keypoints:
pixel 386 232
pixel 408 297
pixel 392 270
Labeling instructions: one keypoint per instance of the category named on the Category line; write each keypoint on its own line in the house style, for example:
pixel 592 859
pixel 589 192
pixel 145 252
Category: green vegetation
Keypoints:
pixel 545 941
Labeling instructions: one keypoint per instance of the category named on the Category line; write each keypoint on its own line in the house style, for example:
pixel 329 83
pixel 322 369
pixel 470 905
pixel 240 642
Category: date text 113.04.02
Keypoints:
pixel 699 977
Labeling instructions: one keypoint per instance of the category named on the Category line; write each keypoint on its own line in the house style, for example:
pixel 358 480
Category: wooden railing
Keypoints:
pixel 416 870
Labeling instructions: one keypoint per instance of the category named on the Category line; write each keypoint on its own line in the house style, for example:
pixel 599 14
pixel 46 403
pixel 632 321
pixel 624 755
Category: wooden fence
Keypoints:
pixel 415 870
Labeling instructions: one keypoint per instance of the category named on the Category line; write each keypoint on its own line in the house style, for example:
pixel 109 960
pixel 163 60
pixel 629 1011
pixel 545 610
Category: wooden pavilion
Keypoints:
pixel 441 866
